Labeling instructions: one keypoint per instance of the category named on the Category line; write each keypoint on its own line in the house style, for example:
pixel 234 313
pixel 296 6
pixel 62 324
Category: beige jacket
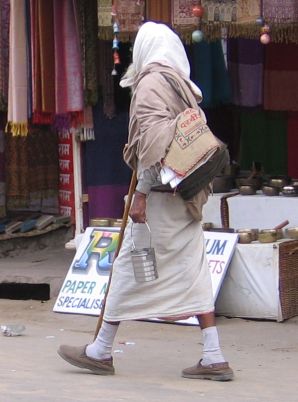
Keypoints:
pixel 158 97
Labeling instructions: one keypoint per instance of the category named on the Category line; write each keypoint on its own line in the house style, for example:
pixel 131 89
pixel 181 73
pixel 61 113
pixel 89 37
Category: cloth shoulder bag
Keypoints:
pixel 195 154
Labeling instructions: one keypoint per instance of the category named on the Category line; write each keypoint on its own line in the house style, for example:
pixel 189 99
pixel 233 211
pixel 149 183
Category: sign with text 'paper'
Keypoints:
pixel 86 282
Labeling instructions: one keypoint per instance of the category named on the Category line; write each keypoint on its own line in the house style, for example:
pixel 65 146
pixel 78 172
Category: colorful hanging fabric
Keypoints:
pixel 182 13
pixel 285 11
pixel 129 16
pixel 43 61
pixel 68 69
pixel 245 66
pixel 108 183
pixel 281 77
pixel 159 11
pixel 210 73
pixel 4 52
pixel 18 74
pixel 104 13
pixel 87 18
pixel 292 141
pixel 2 170
pixel 31 171
pixel 264 131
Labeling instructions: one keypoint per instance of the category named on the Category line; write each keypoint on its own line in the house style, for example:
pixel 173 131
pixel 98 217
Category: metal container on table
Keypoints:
pixel 143 261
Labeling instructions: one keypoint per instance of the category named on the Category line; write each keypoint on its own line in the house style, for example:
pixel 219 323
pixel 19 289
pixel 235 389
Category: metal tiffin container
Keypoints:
pixel 143 260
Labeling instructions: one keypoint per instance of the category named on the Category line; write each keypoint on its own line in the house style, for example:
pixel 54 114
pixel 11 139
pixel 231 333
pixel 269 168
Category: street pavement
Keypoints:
pixel 148 356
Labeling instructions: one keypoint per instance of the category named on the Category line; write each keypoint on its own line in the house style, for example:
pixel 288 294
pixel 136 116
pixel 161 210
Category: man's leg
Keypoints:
pixel 212 366
pixel 97 356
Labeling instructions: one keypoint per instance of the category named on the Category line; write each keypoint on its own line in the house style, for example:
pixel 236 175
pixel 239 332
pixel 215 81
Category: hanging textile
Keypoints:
pixel 87 19
pixel 245 65
pixel 104 12
pixel 209 72
pixel 31 170
pixel 285 11
pixel 68 69
pixel 129 16
pixel 281 77
pixel 87 23
pixel 2 170
pixel 282 17
pixel 18 74
pixel 43 57
pixel 263 139
pixel 4 52
pixel 108 183
pixel 292 145
pixel 159 11
pixel 182 13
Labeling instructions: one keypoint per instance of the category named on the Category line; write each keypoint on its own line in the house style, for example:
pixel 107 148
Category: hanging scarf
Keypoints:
pixel 17 94
pixel 4 52
pixel 281 77
pixel 129 15
pixel 245 66
pixel 104 11
pixel 87 20
pixel 285 11
pixel 68 70
pixel 159 11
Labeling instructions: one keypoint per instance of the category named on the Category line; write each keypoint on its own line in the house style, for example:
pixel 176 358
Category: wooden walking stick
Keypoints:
pixel 131 190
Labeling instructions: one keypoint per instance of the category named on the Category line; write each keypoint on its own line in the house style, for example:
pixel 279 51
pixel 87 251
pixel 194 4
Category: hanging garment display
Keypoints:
pixel 285 11
pixel 68 69
pixel 31 171
pixel 18 71
pixel 263 138
pixel 159 11
pixel 4 52
pixel 43 61
pixel 129 15
pixel 245 66
pixel 210 73
pixel 281 77
pixel 292 145
pixel 104 13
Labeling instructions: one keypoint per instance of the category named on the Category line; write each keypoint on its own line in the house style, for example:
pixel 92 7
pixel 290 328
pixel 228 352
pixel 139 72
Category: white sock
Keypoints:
pixel 211 349
pixel 101 348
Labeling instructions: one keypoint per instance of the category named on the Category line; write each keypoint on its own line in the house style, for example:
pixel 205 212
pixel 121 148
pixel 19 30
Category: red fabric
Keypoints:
pixel 281 77
pixel 293 145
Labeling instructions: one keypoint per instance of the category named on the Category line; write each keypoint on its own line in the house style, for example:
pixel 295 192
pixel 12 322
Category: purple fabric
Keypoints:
pixel 106 201
pixel 245 66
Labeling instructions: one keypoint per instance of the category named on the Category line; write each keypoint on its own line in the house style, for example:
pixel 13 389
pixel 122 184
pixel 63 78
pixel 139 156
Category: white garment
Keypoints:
pixel 184 287
pixel 157 43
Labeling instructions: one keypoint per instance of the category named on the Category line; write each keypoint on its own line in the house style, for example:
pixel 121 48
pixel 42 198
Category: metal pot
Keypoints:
pixel 256 182
pixel 253 232
pixel 267 236
pixel 244 237
pixel 270 190
pixel 290 191
pixel 279 181
pixel 207 226
pixel 292 233
pixel 247 190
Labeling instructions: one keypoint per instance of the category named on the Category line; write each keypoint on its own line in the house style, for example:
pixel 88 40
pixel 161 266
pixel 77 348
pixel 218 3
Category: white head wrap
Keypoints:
pixel 157 43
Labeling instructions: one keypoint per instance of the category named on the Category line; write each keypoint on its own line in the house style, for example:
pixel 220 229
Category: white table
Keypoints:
pixel 253 288
pixel 261 211
pixel 252 211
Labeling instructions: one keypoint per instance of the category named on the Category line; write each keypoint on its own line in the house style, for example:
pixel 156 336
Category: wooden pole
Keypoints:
pixel 128 202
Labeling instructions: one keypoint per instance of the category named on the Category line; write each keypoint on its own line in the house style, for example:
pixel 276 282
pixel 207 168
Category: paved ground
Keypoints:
pixel 264 355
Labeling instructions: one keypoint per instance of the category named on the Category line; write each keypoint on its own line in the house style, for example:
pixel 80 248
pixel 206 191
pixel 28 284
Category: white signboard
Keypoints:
pixel 85 284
